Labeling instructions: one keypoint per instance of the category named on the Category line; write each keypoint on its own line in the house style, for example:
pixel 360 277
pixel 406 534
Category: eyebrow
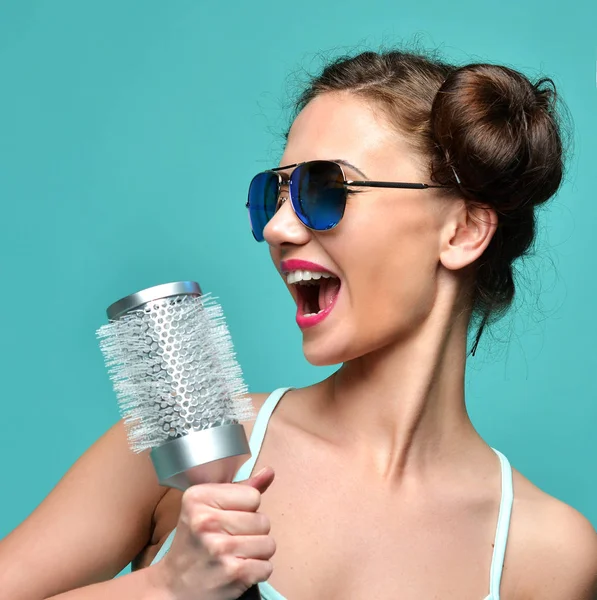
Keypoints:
pixel 340 161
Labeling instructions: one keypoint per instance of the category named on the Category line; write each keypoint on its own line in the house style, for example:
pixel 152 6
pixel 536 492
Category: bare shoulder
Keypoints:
pixel 552 550
pixel 290 413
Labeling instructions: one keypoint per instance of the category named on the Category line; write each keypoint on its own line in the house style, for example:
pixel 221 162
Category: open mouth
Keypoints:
pixel 316 294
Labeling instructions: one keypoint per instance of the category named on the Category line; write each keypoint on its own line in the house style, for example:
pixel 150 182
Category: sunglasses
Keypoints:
pixel 317 191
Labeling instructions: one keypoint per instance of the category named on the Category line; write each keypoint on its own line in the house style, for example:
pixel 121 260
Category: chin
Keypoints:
pixel 324 352
pixel 320 353
pixel 321 360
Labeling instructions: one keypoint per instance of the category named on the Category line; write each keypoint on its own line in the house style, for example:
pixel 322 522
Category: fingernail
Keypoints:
pixel 260 472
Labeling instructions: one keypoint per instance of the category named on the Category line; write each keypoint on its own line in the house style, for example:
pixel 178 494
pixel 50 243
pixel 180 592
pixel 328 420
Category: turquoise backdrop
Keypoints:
pixel 128 134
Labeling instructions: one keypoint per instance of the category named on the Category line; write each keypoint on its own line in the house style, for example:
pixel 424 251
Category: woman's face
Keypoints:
pixel 385 251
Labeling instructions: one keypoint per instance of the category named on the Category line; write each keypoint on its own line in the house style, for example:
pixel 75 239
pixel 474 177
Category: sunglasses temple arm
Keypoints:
pixel 397 185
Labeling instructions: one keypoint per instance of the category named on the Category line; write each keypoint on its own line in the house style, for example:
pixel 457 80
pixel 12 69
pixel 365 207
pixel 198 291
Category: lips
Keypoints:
pixel 315 289
pixel 303 265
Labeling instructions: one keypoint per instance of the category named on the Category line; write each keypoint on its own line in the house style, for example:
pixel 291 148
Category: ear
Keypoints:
pixel 467 234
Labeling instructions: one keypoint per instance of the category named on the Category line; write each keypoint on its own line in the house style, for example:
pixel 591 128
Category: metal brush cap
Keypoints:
pixel 157 292
pixel 212 455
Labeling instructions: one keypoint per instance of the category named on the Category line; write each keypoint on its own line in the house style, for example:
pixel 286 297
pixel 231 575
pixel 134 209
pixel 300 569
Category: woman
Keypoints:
pixel 383 489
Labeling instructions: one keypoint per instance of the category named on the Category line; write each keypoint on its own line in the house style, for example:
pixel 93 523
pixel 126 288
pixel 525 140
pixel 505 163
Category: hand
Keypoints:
pixel 222 544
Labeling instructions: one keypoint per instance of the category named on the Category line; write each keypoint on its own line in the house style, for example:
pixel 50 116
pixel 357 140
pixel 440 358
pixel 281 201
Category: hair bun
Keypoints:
pixel 500 134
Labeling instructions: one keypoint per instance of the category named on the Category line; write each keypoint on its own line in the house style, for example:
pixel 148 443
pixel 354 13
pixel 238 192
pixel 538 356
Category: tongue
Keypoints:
pixel 328 290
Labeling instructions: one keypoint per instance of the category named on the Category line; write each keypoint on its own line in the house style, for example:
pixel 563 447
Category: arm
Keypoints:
pixel 92 524
pixel 146 584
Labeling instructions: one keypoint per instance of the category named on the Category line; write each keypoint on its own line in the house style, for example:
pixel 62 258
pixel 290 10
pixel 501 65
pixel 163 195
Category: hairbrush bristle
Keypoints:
pixel 174 370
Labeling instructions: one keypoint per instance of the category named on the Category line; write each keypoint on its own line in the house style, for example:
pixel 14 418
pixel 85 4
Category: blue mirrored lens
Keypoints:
pixel 263 198
pixel 318 194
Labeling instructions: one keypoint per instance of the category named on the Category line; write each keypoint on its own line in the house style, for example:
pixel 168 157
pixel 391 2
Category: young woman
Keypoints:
pixel 406 190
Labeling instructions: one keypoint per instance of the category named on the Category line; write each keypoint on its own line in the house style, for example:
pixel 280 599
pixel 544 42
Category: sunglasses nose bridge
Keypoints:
pixel 285 227
pixel 283 193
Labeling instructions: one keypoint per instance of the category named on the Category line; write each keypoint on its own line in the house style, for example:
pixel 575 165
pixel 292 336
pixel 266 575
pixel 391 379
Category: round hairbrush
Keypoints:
pixel 179 386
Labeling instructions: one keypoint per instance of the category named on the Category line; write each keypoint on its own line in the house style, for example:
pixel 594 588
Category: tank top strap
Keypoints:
pixel 258 433
pixel 502 529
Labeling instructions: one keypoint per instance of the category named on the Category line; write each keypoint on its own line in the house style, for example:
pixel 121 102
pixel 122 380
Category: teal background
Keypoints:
pixel 128 134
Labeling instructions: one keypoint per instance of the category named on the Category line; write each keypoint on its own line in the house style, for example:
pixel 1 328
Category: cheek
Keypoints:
pixel 392 274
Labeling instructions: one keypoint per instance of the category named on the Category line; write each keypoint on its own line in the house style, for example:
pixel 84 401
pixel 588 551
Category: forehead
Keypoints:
pixel 341 125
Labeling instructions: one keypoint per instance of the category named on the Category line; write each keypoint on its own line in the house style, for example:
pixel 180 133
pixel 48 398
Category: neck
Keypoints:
pixel 402 408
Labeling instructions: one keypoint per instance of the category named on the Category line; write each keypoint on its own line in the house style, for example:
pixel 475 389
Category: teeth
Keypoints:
pixel 306 277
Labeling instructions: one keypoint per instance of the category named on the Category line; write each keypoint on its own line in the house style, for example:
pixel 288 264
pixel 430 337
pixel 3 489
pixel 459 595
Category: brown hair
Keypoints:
pixel 487 130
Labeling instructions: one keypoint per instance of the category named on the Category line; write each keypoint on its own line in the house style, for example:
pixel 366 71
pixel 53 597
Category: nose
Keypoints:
pixel 285 227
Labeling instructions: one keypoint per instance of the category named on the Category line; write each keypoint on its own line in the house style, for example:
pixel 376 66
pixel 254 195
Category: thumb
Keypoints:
pixel 261 480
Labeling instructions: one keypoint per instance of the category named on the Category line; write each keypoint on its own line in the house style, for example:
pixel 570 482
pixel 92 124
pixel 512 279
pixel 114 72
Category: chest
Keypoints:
pixel 336 539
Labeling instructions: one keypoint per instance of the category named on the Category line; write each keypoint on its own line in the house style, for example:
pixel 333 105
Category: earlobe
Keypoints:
pixel 468 236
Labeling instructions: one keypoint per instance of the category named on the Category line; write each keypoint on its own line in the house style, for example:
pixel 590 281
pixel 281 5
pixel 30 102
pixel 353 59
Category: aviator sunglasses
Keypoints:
pixel 317 191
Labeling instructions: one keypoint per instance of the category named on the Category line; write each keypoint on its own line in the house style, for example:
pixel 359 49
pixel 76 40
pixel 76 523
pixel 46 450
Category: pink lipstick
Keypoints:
pixel 294 264
pixel 316 287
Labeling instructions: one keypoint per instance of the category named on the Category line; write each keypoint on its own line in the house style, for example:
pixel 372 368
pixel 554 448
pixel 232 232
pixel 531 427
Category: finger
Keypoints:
pixel 261 480
pixel 250 571
pixel 225 496
pixel 232 522
pixel 257 547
